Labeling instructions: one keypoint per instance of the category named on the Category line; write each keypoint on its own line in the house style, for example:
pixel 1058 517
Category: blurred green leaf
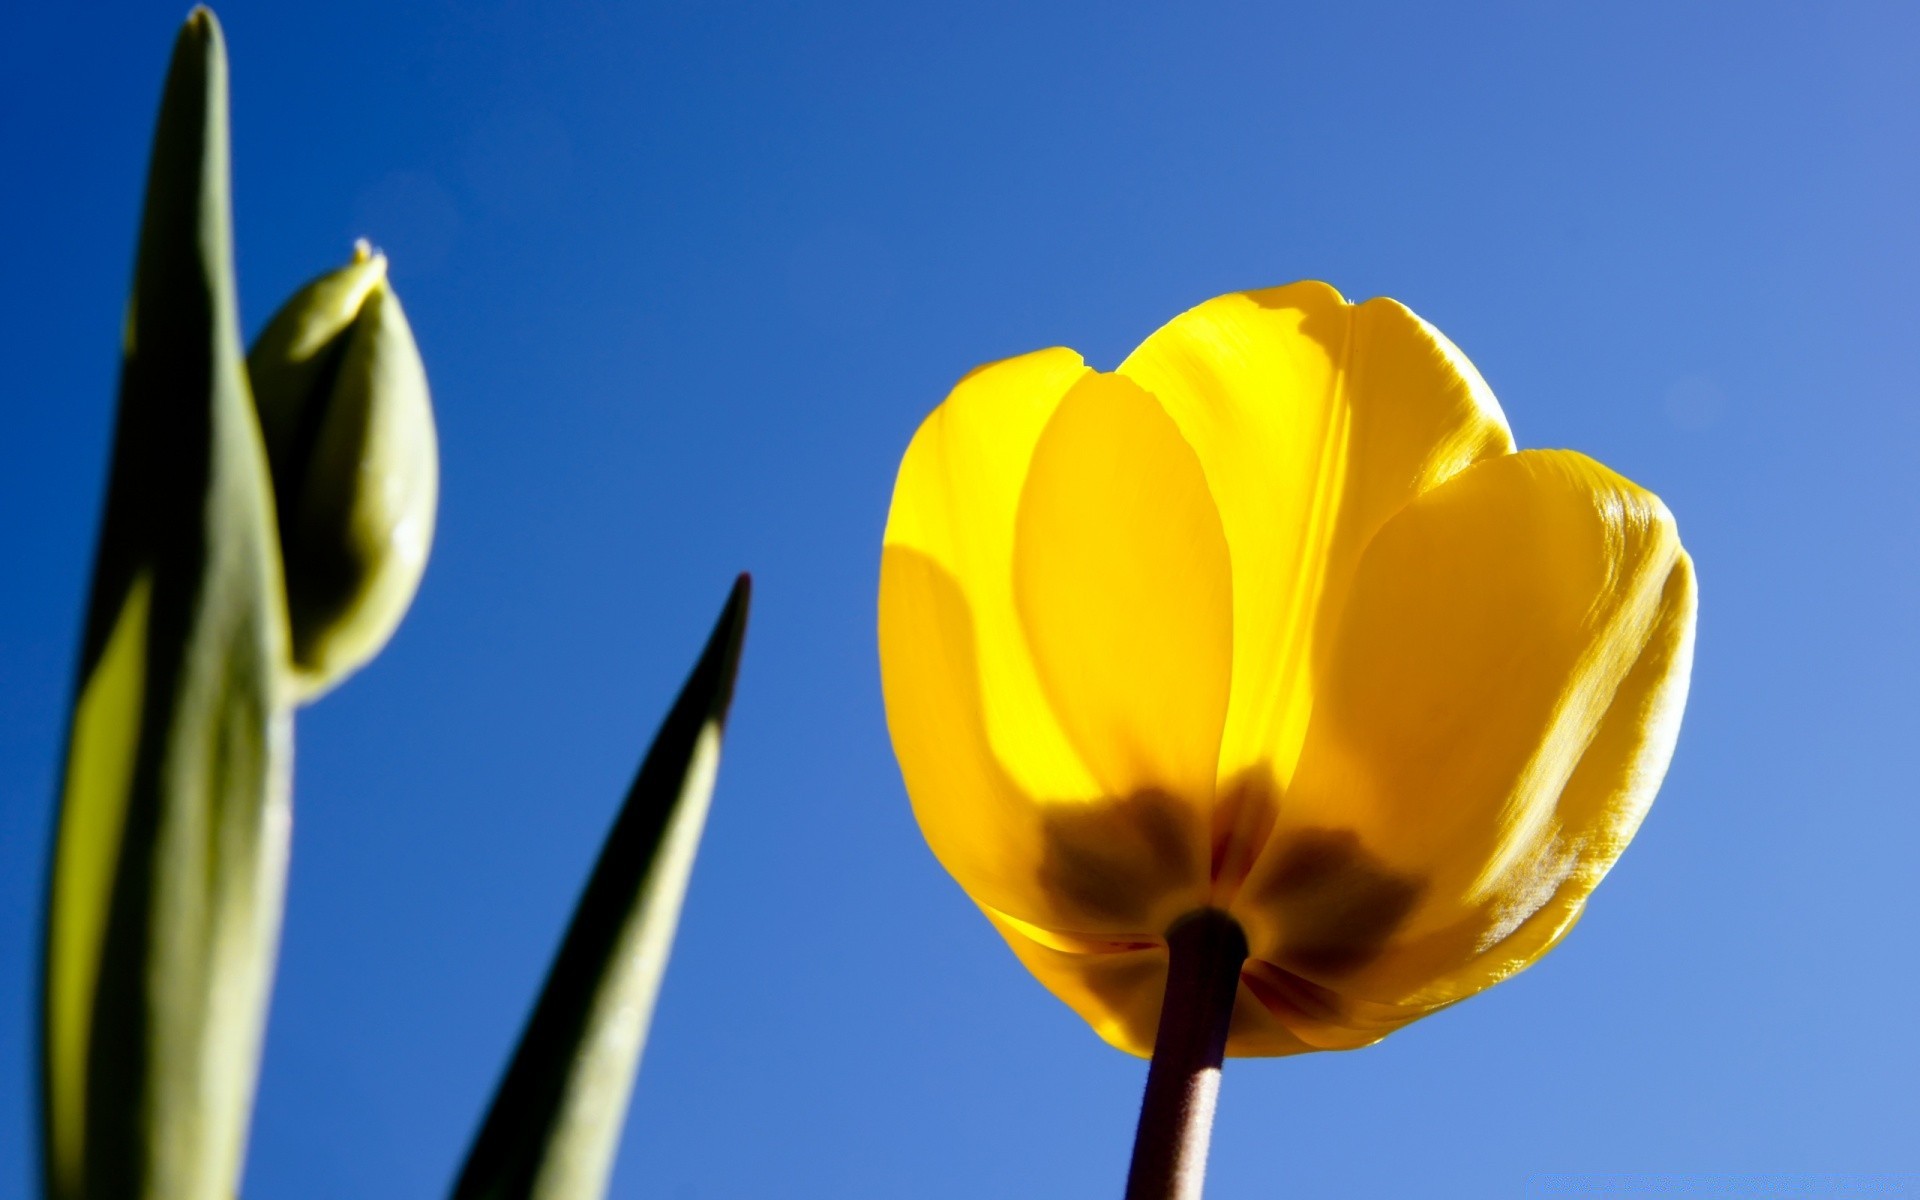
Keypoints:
pixel 170 866
pixel 556 1117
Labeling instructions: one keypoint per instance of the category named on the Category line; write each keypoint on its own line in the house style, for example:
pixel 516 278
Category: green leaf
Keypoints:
pixel 169 870
pixel 556 1117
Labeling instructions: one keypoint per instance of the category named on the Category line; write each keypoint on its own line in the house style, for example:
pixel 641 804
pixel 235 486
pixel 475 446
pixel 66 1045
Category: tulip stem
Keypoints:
pixel 1205 951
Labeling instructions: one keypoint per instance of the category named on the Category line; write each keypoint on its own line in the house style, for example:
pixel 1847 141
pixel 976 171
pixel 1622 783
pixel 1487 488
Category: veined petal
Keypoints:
pixel 954 503
pixel 1122 582
pixel 1493 715
pixel 1118 989
pixel 1601 808
pixel 1314 421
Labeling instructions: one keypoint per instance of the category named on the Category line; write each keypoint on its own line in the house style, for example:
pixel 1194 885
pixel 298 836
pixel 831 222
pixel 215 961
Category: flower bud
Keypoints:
pixel 350 440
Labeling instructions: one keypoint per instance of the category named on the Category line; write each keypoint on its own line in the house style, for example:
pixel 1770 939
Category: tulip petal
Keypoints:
pixel 1116 990
pixel 1093 873
pixel 980 825
pixel 1493 715
pixel 1003 797
pixel 1600 810
pixel 1123 585
pixel 954 504
pixel 1315 421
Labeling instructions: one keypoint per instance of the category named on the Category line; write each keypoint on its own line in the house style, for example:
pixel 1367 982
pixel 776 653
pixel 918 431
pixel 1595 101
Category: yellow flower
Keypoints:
pixel 1274 619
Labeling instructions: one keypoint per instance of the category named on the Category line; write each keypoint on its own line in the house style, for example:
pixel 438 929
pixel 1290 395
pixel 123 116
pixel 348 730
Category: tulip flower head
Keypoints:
pixel 1274 621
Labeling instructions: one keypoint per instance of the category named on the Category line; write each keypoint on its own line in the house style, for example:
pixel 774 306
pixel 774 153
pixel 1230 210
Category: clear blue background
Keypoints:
pixel 687 276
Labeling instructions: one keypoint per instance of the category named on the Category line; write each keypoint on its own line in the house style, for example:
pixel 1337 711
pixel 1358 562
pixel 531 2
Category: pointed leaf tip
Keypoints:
pixel 555 1120
pixel 723 648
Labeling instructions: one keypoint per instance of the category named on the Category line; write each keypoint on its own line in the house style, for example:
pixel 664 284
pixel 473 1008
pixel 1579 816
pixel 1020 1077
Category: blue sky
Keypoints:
pixel 686 277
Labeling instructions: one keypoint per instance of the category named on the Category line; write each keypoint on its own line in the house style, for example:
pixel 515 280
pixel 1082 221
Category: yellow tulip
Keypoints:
pixel 1274 620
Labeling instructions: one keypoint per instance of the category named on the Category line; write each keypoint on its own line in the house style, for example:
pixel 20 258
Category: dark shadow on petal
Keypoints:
pixel 1243 814
pixel 1337 904
pixel 1115 859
